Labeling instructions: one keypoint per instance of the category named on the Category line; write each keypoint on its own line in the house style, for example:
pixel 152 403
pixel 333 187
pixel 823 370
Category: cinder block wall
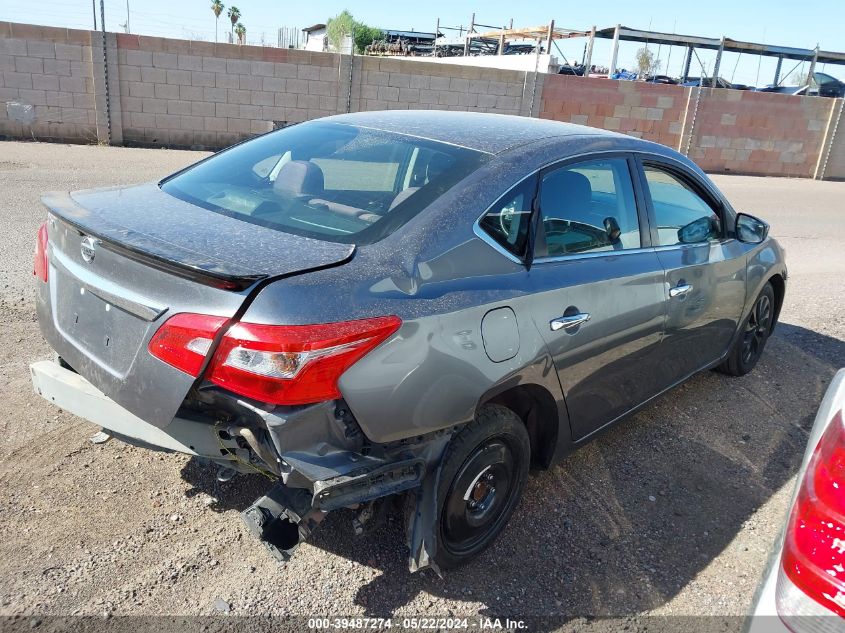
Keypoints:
pixel 46 83
pixel 651 111
pixel 54 85
pixel 758 133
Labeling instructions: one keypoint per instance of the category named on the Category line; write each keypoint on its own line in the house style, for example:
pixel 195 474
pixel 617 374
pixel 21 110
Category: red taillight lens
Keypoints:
pixel 41 267
pixel 814 544
pixel 294 364
pixel 277 364
pixel 184 340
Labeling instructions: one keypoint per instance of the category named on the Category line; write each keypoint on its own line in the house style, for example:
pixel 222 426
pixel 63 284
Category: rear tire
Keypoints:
pixel 754 333
pixel 482 477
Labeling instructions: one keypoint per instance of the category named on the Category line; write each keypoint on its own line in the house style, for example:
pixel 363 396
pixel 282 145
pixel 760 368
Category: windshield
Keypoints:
pixel 324 180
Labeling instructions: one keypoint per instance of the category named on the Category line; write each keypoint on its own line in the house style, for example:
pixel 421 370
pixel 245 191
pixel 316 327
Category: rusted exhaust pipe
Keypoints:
pixel 257 447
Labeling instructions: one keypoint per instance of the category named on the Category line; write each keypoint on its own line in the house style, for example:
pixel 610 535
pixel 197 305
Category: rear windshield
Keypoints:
pixel 328 181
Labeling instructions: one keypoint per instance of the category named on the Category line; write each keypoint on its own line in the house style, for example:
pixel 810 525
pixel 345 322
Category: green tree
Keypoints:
pixel 240 31
pixel 217 8
pixel 343 25
pixel 646 62
pixel 234 15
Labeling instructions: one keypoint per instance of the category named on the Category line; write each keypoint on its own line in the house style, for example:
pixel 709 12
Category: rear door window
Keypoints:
pixel 325 180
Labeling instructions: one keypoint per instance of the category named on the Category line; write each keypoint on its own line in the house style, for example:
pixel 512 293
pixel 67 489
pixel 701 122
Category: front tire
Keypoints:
pixel 756 329
pixel 481 481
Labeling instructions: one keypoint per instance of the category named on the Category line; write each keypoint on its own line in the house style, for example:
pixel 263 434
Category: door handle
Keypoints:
pixel 570 321
pixel 681 290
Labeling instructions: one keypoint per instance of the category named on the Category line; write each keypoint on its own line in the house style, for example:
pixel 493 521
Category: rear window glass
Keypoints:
pixel 328 181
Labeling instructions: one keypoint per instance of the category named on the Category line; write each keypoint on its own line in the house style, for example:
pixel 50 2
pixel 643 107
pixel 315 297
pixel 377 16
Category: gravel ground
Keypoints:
pixel 672 512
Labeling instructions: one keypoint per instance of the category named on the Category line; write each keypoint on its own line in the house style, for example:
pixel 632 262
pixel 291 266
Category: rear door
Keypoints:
pixel 705 269
pixel 599 296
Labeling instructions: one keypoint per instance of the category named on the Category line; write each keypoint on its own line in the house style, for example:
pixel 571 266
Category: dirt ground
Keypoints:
pixel 673 512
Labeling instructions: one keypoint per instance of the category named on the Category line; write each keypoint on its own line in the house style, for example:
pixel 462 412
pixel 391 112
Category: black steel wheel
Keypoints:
pixel 755 332
pixel 481 481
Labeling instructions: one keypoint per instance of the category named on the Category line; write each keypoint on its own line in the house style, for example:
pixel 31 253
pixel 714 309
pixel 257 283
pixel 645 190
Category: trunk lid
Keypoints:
pixel 122 261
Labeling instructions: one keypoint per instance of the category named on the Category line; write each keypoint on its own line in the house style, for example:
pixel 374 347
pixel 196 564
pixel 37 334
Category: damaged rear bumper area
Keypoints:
pixel 316 455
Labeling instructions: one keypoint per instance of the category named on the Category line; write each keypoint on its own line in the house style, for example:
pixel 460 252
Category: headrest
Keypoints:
pixel 299 177
pixel 564 192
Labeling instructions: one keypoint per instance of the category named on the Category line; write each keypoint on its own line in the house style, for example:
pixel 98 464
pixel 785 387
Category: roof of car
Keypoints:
pixel 491 133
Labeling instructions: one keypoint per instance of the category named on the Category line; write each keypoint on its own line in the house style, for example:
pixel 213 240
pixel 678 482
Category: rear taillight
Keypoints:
pixel 277 364
pixel 40 266
pixel 813 563
pixel 184 340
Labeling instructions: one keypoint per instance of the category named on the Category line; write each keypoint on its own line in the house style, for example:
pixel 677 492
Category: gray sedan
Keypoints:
pixel 403 306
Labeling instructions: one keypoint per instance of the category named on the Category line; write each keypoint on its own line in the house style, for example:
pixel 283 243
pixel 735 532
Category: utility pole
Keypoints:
pixel 127 16
pixel 94 9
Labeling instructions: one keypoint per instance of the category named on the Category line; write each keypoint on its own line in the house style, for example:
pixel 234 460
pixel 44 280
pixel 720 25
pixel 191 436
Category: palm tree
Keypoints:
pixel 217 7
pixel 234 15
pixel 240 31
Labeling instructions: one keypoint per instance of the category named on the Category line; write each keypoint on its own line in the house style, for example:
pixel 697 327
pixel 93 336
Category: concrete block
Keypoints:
pixel 142 120
pixel 178 107
pixel 35 48
pixel 285 70
pixel 139 58
pixel 168 61
pixel 10 46
pixel 191 93
pixel 131 104
pixel 447 98
pixel 249 82
pixel 188 62
pixel 728 119
pixel 247 111
pixel 29 65
pixel 486 101
pixel 214 95
pixel 45 82
pixel 56 67
pixel 152 105
pixel 202 78
pixel 273 84
pixel 238 96
pixel 409 95
pixel 238 125
pixel 307 102
pixel 69 51
pixel 299 86
pixel 261 98
pixel 17 80
pixel 388 93
pixel 213 65
pixel 34 97
pixel 152 75
pixel 237 66
pixel 420 81
pixel 188 122
pixel 222 80
pixel 168 121
pixel 226 110
pixel 439 83
pixel 285 99
pixel 166 91
pixel 83 100
pixel 308 72
pixel 330 73
pixel 377 78
pixel 322 88
pixel 202 108
pixel 261 69
pixel 179 77
pixel 128 73
pixel 215 124
pixel 458 84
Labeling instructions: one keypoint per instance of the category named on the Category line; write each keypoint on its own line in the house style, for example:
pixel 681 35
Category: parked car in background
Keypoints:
pixel 708 82
pixel 661 79
pixel 803 589
pixel 821 85
pixel 567 69
pixel 419 303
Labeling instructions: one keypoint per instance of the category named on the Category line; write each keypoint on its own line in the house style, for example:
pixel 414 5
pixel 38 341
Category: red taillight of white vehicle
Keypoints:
pixel 813 562
pixel 40 267
pixel 277 364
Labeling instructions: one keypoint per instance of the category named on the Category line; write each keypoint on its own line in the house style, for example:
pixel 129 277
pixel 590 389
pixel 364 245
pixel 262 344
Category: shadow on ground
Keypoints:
pixel 624 523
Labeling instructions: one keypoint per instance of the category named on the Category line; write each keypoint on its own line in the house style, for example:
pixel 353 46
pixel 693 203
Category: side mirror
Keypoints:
pixel 612 228
pixel 750 230
pixel 697 231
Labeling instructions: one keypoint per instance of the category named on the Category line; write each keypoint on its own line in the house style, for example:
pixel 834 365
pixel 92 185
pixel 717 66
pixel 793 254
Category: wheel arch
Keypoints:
pixel 539 411
pixel 779 286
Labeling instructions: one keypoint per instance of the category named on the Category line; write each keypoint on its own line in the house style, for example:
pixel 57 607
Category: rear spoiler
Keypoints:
pixel 62 206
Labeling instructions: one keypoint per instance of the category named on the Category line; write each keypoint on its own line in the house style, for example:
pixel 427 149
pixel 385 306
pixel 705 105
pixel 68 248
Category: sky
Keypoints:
pixel 782 22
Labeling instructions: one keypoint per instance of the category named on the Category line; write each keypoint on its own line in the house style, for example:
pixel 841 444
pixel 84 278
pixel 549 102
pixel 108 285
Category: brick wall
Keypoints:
pixel 54 85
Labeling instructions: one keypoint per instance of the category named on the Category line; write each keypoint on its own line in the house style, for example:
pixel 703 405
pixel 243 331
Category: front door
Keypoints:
pixel 597 291
pixel 705 270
